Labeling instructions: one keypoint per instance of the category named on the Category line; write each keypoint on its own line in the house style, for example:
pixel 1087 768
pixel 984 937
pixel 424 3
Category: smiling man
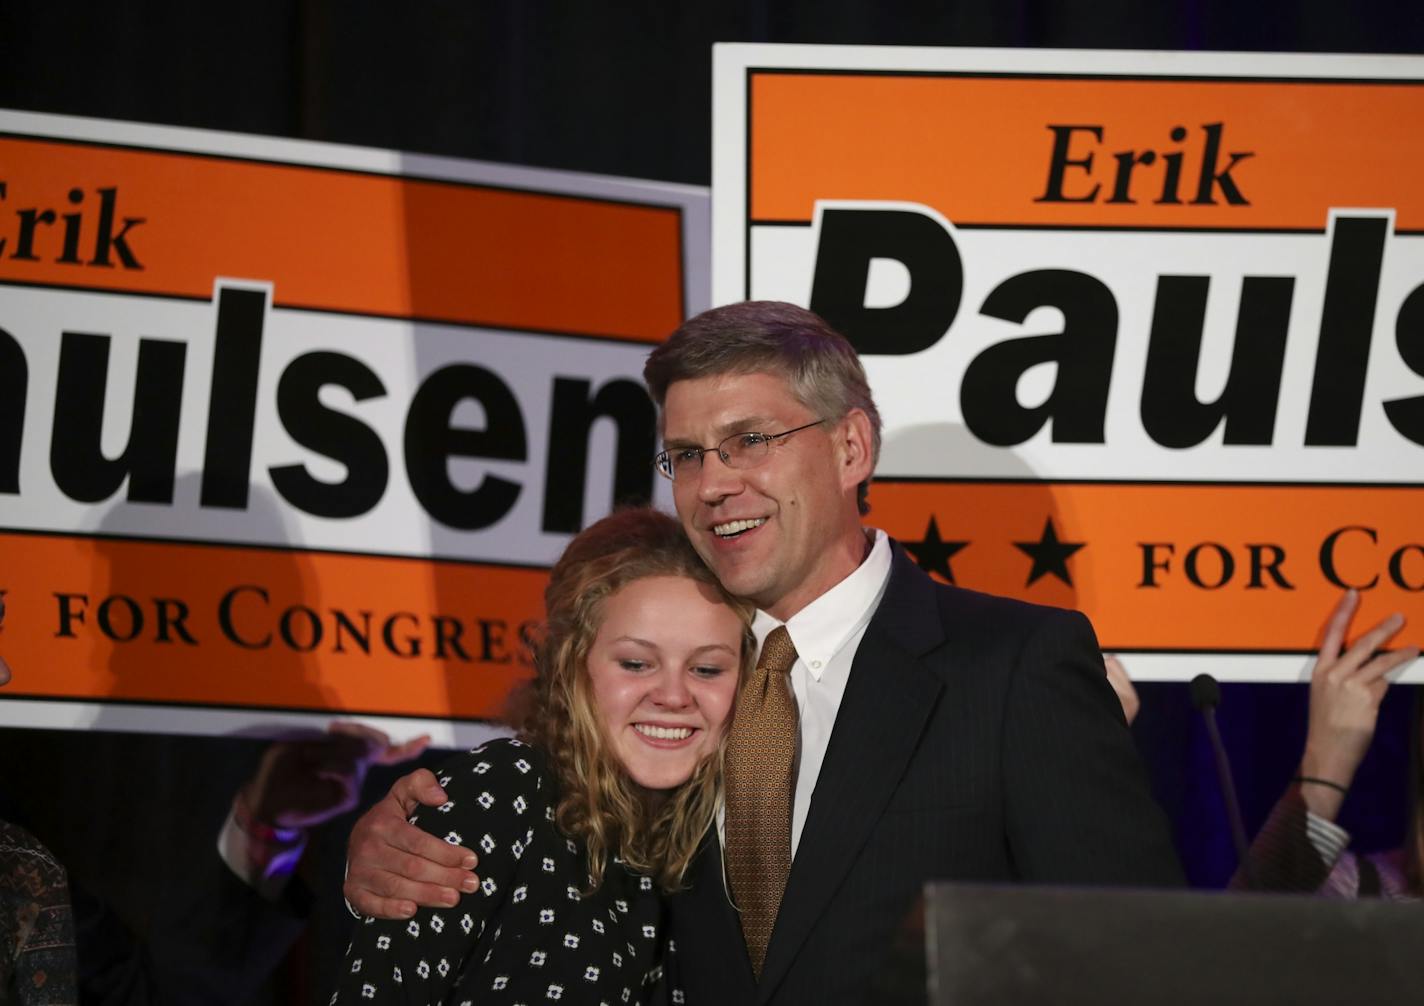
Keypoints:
pixel 896 730
pixel 777 533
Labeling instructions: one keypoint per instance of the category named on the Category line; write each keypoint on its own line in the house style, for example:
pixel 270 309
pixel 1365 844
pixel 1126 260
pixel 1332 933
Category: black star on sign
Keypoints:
pixel 1049 555
pixel 933 553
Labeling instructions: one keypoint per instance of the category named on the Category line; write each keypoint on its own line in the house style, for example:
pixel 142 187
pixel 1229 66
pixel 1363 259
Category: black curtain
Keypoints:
pixel 619 88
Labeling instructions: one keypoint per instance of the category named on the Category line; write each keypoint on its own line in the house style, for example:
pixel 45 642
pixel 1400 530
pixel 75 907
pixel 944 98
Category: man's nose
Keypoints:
pixel 715 479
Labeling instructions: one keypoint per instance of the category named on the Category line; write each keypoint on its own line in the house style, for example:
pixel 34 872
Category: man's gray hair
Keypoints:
pixel 770 336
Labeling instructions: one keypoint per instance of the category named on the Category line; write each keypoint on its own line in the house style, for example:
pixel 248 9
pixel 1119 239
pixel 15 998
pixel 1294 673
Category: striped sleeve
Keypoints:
pixel 1295 851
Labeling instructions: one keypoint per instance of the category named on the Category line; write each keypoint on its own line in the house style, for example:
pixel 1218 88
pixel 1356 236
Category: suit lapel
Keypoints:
pixel 887 701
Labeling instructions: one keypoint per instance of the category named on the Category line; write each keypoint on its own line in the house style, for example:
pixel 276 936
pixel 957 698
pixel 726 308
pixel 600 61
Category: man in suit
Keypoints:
pixel 903 731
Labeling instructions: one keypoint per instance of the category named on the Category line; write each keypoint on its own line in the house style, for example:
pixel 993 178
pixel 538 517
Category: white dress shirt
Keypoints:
pixel 826 633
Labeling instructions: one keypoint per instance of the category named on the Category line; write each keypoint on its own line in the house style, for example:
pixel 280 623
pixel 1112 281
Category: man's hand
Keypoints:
pixel 1345 693
pixel 1122 684
pixel 392 866
pixel 301 783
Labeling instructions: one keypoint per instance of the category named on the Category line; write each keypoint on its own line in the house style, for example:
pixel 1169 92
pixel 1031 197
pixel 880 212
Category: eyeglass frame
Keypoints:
pixel 662 461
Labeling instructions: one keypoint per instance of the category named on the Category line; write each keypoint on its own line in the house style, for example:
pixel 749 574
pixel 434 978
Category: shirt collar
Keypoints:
pixel 819 630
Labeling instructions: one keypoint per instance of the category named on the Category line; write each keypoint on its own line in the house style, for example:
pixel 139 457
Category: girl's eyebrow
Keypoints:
pixel 653 646
pixel 635 639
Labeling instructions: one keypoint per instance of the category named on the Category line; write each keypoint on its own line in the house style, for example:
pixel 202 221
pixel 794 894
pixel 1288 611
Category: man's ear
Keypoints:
pixel 854 448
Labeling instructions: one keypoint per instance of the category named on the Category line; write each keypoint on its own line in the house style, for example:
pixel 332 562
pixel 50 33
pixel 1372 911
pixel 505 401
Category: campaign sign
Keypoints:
pixel 1146 329
pixel 290 430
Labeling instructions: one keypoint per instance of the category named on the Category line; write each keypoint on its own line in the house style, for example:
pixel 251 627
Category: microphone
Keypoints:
pixel 1206 693
pixel 1206 696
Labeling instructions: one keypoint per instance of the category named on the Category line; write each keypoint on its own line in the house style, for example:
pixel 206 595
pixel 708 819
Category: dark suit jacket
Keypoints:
pixel 217 946
pixel 978 740
pixel 158 916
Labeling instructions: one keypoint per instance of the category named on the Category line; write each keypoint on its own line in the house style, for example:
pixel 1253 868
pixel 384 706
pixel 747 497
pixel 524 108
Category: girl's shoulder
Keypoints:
pixel 501 762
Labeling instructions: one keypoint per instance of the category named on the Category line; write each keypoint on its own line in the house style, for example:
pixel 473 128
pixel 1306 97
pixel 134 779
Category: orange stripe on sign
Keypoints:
pixel 210 625
pixel 339 241
pixel 980 150
pixel 1173 567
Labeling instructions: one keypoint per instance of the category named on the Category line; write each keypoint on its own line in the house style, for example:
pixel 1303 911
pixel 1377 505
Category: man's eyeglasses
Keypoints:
pixel 740 450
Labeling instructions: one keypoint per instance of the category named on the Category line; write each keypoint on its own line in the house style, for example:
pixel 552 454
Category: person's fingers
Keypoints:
pixel 373 740
pixel 1376 689
pixel 383 832
pixel 378 747
pixel 430 860
pixel 1363 649
pixel 394 754
pixel 337 753
pixel 391 858
pixel 1337 625
pixel 1122 685
pixel 1384 663
pixel 390 896
pixel 424 876
pixel 417 788
pixel 368 903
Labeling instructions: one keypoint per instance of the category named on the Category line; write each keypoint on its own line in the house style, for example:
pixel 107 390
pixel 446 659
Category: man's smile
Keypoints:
pixel 732 528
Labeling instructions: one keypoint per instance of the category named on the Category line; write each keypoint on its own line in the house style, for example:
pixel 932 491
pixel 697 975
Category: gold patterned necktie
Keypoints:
pixel 761 756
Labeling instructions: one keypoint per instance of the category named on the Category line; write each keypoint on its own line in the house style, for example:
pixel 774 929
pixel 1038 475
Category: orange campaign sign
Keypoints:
pixel 341 240
pixel 1146 329
pixel 293 430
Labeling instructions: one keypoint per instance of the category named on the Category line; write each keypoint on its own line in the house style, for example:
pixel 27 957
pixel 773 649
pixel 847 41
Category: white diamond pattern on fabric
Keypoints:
pixel 541 934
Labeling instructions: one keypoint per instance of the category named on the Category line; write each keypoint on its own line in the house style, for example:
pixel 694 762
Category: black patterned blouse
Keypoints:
pixel 528 935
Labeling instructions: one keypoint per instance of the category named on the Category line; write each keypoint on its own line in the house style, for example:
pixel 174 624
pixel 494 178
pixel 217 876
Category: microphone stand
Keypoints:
pixel 1206 696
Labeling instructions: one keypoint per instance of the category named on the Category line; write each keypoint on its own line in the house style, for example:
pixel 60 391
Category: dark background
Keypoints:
pixel 622 89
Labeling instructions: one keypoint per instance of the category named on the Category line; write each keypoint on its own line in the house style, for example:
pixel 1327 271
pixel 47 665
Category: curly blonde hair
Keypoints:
pixel 598 803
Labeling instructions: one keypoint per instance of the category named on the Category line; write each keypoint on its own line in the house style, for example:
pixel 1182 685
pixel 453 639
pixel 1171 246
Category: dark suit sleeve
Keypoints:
pixel 217 946
pixel 1078 806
